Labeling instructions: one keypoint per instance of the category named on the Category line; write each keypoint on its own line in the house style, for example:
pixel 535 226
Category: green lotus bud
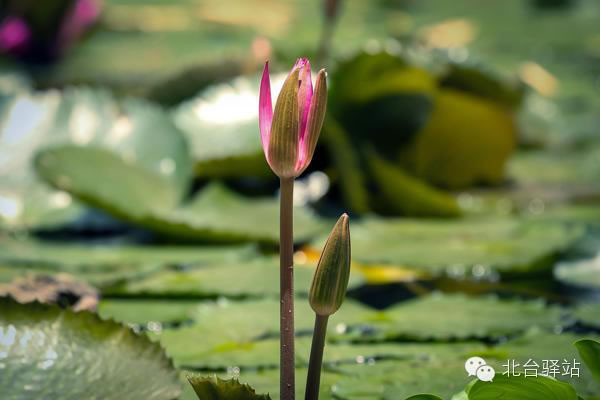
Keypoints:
pixel 333 271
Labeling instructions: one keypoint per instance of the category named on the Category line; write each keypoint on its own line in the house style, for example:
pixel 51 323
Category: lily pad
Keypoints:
pixel 218 214
pixel 505 245
pixel 214 388
pixel 141 197
pixel 588 313
pixel 235 333
pixel 439 368
pixel 267 381
pixel 435 317
pixel 85 118
pixel 147 312
pixel 434 368
pixel 589 350
pixel 585 273
pixel 539 347
pixel 53 353
pixel 258 277
pixel 106 265
pixel 522 388
pixel 221 125
pixel 567 166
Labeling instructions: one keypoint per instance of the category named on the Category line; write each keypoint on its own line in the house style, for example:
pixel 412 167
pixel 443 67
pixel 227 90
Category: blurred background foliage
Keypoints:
pixel 462 137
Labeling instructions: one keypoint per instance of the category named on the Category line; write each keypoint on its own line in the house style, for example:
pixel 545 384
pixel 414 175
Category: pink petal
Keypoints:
pixel 83 14
pixel 314 122
pixel 265 109
pixel 305 94
pixel 300 63
pixel 14 34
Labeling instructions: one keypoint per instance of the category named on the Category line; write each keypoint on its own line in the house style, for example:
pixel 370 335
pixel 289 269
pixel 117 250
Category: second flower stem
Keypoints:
pixel 316 357
pixel 286 271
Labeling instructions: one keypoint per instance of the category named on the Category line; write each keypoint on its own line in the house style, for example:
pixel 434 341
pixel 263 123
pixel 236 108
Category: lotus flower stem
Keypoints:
pixel 289 135
pixel 326 295
pixel 313 379
pixel 286 268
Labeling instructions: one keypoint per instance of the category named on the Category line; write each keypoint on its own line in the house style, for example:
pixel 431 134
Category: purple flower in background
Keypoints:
pixel 81 16
pixel 36 33
pixel 289 133
pixel 14 35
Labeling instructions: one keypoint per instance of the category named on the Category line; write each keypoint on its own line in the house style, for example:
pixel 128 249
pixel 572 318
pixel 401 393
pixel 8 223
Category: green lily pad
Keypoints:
pixel 141 197
pixel 214 388
pixel 25 202
pixel 267 381
pixel 588 313
pixel 258 277
pixel 589 350
pixel 218 214
pixel 477 246
pixel 147 312
pixel 585 273
pixel 52 353
pixel 235 333
pixel 221 125
pixel 90 119
pixel 435 317
pixel 434 368
pixel 567 167
pixel 540 347
pixel 106 265
pixel 439 368
pixel 522 388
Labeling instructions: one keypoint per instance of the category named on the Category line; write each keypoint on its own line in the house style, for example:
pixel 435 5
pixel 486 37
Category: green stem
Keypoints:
pixel 313 379
pixel 286 276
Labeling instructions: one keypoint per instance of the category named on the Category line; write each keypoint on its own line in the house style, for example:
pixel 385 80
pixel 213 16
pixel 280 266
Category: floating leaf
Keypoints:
pixel 567 167
pixel 138 196
pixel 435 317
pixel 480 82
pixel 217 213
pixel 81 117
pixel 52 353
pixel 585 273
pixel 439 368
pixel 60 289
pixel 538 347
pixel 589 350
pixel 588 313
pixel 433 368
pixel 258 277
pixel 522 388
pixel 487 244
pixel 267 381
pixel 235 333
pixel 214 388
pixel 135 311
pixel 408 195
pixel 221 125
pixel 106 265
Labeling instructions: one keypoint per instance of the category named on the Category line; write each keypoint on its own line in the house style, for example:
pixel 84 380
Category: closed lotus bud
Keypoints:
pixel 333 271
pixel 289 133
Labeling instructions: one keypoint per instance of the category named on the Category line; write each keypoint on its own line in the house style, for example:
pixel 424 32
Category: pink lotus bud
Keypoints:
pixel 289 134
